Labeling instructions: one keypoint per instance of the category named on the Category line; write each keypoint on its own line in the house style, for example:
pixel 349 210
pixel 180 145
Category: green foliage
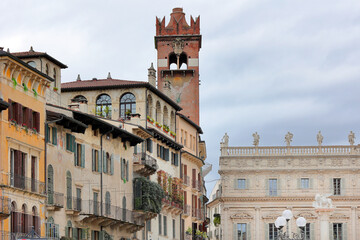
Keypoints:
pixel 14 82
pixel 189 231
pixel 151 195
pixel 217 220
pixel 25 87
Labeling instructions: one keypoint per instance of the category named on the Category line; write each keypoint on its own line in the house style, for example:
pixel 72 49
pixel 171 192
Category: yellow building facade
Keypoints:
pixel 22 159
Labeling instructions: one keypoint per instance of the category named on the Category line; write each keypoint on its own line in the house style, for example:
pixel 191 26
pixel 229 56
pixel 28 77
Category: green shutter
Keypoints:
pixel 83 233
pixel 112 164
pixel 74 233
pixel 345 232
pixel 248 231
pixel 73 143
pixel 135 149
pixel 176 159
pixel 127 171
pixel 47 133
pixel 101 235
pixel 54 135
pixel 82 155
pixel 99 159
pixel 66 231
pixel 104 162
pixel 92 234
pixel 122 168
pixel 93 160
pixel 75 156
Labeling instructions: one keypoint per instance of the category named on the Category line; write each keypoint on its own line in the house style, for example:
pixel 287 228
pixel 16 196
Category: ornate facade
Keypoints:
pixel 258 183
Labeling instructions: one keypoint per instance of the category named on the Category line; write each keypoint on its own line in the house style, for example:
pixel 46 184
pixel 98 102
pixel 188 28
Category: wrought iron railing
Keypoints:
pixel 55 199
pixel 25 183
pixel 186 180
pixel 187 209
pixel 145 159
pixel 5 205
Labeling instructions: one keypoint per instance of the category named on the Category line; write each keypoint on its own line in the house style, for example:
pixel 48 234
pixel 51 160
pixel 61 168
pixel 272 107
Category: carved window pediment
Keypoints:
pixel 306 215
pixel 338 216
pixel 272 216
pixel 241 216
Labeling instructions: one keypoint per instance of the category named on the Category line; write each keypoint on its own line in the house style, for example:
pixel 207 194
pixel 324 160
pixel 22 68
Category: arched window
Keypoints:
pixel 166 116
pixel 24 219
pixel 172 61
pixel 79 99
pixel 149 106
pixel 35 220
pixel 158 112
pixel 124 208
pixel 103 106
pixel 50 185
pixel 14 218
pixel 68 190
pixel 172 121
pixel 107 203
pixel 127 104
pixel 32 64
pixel 47 69
pixel 183 61
pixel 54 76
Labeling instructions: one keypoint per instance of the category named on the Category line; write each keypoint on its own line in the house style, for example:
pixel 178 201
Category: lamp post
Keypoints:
pixel 283 221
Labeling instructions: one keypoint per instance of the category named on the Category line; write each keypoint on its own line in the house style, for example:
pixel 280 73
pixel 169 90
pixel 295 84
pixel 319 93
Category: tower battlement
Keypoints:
pixel 177 24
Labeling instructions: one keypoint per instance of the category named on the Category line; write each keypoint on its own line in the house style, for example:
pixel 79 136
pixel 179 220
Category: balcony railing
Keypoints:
pixel 199 214
pixel 55 199
pixel 90 207
pixel 25 183
pixel 145 159
pixel 187 210
pixel 77 204
pixel 186 180
pixel 196 184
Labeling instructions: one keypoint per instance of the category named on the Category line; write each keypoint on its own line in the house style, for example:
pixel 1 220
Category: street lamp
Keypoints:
pixel 283 221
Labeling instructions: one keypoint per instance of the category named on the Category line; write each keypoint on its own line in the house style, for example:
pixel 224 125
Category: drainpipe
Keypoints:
pixel 45 165
pixel 102 170
pixel 181 225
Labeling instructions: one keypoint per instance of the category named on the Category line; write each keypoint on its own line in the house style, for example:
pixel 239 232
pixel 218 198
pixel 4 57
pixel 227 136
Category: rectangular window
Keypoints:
pixel 273 234
pixel 305 183
pixel 160 226
pixel 149 146
pixel 165 225
pixel 174 228
pixel 273 187
pixel 338 231
pixel 337 186
pixel 54 136
pixel 241 184
pixel 96 203
pixel 95 160
pixel 241 231
pixel 307 232
pixel 78 155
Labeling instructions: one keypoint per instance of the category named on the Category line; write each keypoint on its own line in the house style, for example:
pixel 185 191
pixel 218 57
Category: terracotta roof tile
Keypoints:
pixel 31 54
pixel 98 83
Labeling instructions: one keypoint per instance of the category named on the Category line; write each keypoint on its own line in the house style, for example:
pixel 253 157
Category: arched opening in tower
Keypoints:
pixel 172 61
pixel 183 61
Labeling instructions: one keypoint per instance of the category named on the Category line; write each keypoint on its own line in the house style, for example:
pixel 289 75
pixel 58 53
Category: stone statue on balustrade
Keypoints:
pixel 256 139
pixel 288 138
pixel 319 138
pixel 225 140
pixel 351 138
pixel 323 201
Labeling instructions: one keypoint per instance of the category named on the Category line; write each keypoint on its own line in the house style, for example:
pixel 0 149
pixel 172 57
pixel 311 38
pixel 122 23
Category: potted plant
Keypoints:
pixel 25 87
pixel 14 82
pixel 217 219
pixel 189 231
pixel 35 93
pixel 55 89
pixel 158 125
pixel 172 134
pixel 150 119
pixel 128 113
pixel 25 127
pixel 166 128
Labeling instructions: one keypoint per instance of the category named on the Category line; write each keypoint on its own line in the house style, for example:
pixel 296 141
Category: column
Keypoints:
pixel 353 223
pixel 257 223
pixel 324 215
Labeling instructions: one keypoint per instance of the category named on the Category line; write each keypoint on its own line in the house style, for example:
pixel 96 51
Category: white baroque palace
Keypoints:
pixel 259 183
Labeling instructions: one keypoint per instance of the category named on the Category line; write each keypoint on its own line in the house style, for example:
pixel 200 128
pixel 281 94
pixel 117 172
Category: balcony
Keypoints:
pixel 186 180
pixel 171 206
pixel 73 205
pixel 196 185
pixel 108 215
pixel 144 164
pixel 4 207
pixel 55 201
pixel 187 210
pixel 25 183
pixel 197 214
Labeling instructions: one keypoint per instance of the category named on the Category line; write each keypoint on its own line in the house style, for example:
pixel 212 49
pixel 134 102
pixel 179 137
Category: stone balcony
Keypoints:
pixel 4 207
pixel 55 201
pixel 144 164
pixel 171 206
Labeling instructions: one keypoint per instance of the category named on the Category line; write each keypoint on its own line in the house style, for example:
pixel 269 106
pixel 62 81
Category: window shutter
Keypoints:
pixel 75 156
pixel 248 231
pixel 54 135
pixel 37 121
pixel 92 234
pixel 135 149
pixel 122 169
pixel 101 235
pixel 235 231
pixel 74 233
pixel 99 159
pixel 127 171
pixel 83 155
pixel 158 150
pixel 11 110
pixel 159 216
pixel 342 186
pixel 312 233
pixel 83 233
pixel 266 231
pixel 112 164
pixel 20 114
pixel 267 187
pixel 66 231
pixel 93 160
pixel 47 133
pixel 345 232
pixel 151 146
pixel 331 231
pixel 176 159
pixel 161 152
pixel 30 118
pixel 104 162
pixel 332 186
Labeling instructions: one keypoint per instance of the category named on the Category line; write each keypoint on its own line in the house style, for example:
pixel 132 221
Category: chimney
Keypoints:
pixel 152 75
pixel 109 76
pixel 78 78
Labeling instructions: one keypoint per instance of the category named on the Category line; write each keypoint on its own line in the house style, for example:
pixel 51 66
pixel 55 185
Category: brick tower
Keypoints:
pixel 178 46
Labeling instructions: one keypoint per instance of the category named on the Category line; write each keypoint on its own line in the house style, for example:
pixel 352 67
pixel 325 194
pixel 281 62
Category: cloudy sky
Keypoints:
pixel 269 66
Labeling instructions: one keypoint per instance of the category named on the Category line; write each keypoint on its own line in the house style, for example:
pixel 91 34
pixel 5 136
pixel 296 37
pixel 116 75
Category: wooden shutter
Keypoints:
pixel 159 216
pixel 83 155
pixel 19 113
pixel 66 231
pixel 112 164
pixel 99 159
pixel 47 133
pixel 54 135
pixel 30 118
pixel 176 159
pixel 37 121
pixel 122 168
pixel 73 143
pixel 92 234
pixel 74 233
pixel 10 110
pixel 127 171
pixel 104 162
pixel 93 160
pixel 75 156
